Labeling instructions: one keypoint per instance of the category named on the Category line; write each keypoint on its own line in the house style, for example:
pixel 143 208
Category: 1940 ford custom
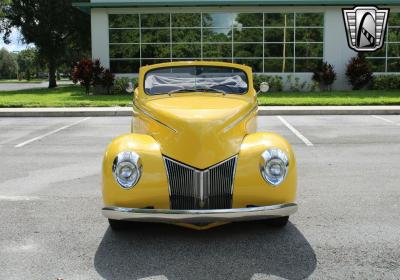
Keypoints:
pixel 193 156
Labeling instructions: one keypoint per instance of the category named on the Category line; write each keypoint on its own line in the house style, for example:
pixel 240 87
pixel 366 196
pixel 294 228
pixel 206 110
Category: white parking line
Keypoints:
pixel 295 131
pixel 50 133
pixel 384 119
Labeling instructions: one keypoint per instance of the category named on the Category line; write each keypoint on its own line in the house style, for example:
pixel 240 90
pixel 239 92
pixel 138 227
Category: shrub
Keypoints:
pixel 313 86
pixel 90 73
pixel 98 72
pixel 275 82
pixel 83 73
pixel 295 85
pixel 386 82
pixel 122 83
pixel 108 80
pixel 324 75
pixel 359 72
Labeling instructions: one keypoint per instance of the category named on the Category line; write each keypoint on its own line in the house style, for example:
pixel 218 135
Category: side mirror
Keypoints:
pixel 264 87
pixel 130 88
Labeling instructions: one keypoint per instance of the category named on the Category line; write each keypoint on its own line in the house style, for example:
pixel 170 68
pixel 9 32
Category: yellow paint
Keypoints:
pixel 152 189
pixel 199 129
pixel 249 186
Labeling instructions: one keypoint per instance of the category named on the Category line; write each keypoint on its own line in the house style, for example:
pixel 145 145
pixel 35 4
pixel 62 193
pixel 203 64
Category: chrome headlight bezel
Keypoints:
pixel 274 158
pixel 132 163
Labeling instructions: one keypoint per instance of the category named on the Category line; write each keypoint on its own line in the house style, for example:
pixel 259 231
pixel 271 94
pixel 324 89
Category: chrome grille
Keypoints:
pixel 191 188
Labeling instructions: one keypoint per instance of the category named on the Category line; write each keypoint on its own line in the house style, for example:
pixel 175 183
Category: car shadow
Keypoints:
pixel 233 251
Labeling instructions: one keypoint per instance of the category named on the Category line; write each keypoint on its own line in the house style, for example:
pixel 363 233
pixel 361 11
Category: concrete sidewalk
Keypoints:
pixel 263 111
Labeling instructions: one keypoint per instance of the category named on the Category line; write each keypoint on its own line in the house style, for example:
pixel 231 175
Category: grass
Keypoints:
pixel 74 96
pixel 331 98
pixel 62 96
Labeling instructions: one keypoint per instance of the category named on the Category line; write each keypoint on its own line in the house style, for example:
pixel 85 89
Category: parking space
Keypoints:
pixel 348 130
pixel 347 225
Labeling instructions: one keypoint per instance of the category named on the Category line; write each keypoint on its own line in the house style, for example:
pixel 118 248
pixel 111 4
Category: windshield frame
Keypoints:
pixel 196 65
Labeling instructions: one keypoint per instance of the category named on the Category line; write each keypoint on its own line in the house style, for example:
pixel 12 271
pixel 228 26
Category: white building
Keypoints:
pixel 274 37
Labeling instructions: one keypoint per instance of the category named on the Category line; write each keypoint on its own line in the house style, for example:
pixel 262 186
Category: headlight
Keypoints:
pixel 127 169
pixel 273 166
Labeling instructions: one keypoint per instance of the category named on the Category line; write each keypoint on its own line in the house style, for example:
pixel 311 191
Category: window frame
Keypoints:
pixel 230 39
pixel 385 47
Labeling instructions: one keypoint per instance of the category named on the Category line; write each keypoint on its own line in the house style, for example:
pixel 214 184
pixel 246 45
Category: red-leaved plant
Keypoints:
pixel 83 73
pixel 90 73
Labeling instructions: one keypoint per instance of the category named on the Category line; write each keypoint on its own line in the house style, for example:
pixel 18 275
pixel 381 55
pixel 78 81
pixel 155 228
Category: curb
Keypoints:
pixel 328 110
pixel 262 111
pixel 67 112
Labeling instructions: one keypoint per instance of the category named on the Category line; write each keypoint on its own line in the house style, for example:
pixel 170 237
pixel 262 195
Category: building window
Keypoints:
pixel 387 59
pixel 268 42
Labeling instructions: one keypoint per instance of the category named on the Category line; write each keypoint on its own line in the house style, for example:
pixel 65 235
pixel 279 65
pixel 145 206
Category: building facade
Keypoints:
pixel 285 38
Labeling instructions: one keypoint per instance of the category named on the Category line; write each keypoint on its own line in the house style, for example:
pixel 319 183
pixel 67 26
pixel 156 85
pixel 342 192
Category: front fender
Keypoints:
pixel 152 188
pixel 249 186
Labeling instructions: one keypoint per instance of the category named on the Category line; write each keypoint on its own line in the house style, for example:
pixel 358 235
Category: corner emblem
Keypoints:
pixel 365 28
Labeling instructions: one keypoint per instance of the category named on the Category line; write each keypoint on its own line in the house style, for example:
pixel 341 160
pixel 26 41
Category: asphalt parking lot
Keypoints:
pixel 347 226
pixel 28 85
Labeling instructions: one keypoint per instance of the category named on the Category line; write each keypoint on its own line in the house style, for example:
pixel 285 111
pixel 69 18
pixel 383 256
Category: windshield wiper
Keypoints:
pixel 195 90
pixel 212 90
pixel 181 90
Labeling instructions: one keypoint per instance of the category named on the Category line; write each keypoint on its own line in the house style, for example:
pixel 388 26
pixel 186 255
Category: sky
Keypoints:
pixel 16 45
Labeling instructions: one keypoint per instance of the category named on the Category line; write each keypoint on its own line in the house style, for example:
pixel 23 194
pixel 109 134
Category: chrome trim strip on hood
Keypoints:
pixel 153 118
pixel 234 123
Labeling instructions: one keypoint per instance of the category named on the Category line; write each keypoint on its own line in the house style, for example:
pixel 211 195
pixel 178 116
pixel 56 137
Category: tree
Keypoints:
pixel 53 26
pixel 8 65
pixel 3 3
pixel 28 63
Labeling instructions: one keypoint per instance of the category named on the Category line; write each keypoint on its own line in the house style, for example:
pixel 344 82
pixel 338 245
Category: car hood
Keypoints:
pixel 200 131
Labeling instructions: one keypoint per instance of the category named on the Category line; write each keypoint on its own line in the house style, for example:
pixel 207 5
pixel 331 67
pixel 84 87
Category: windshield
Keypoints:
pixel 176 79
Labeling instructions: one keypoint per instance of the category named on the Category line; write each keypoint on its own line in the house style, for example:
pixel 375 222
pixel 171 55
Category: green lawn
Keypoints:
pixel 74 96
pixel 334 98
pixel 62 96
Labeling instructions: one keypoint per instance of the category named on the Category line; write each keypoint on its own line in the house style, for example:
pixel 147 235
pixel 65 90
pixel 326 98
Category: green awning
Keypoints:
pixel 86 6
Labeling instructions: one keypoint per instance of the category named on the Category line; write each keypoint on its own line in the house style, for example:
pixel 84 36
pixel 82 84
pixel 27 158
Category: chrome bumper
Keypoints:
pixel 199 216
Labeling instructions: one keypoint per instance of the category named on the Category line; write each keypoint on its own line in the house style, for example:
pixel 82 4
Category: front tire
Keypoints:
pixel 118 225
pixel 278 222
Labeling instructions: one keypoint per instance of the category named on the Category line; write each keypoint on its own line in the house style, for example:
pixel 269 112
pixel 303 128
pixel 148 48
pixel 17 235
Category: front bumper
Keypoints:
pixel 199 216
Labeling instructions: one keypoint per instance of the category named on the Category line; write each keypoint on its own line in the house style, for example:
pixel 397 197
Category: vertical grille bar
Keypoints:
pixel 221 183
pixel 201 189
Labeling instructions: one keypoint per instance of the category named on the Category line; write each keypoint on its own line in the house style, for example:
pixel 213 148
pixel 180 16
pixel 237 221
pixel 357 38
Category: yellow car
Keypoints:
pixel 193 156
